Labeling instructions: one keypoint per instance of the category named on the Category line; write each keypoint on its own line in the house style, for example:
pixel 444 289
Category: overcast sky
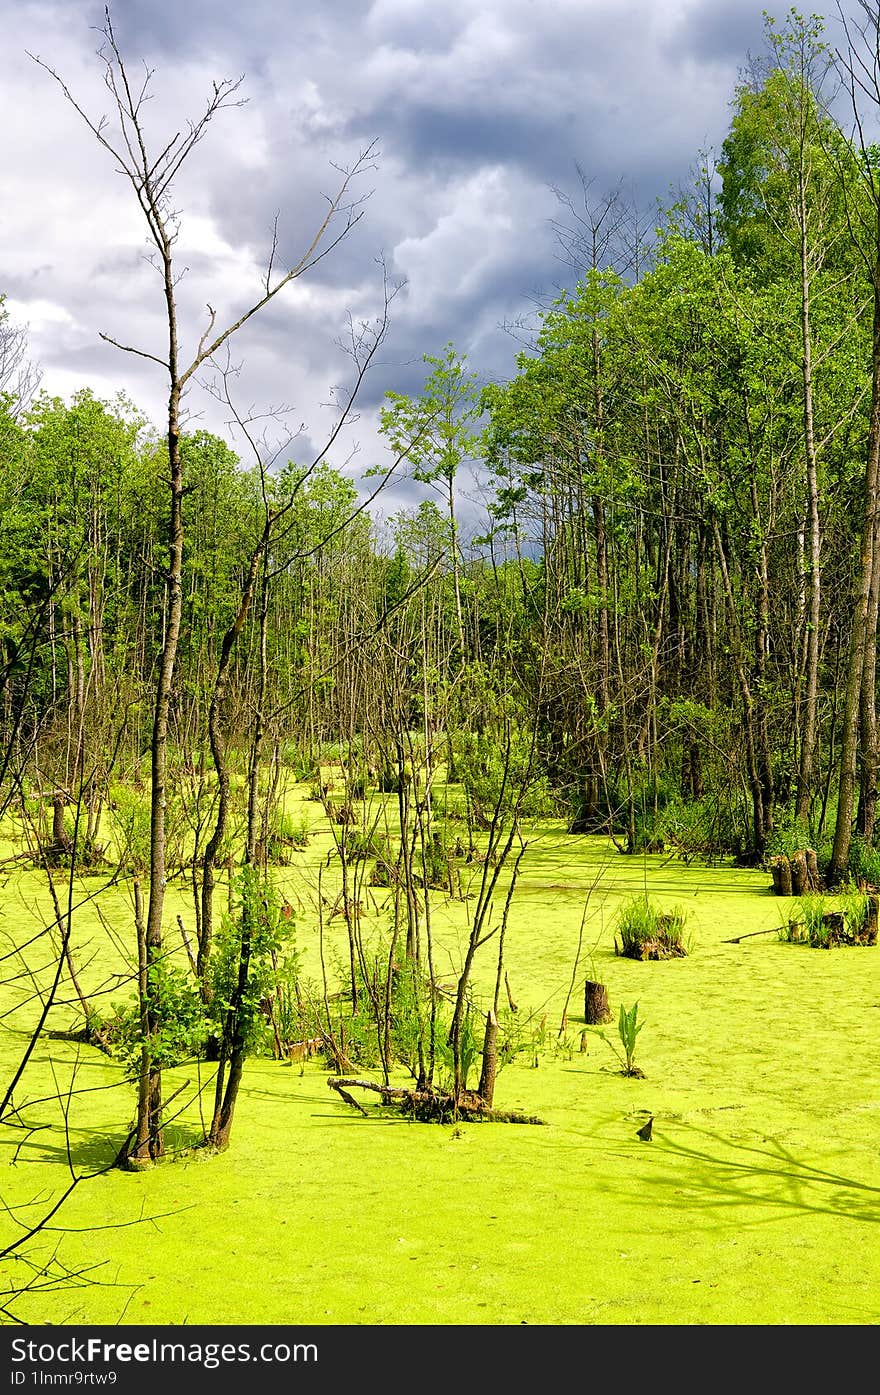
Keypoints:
pixel 478 112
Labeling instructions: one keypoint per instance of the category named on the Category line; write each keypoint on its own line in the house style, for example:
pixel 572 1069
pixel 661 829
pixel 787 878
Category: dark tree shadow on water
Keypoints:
pixel 724 1174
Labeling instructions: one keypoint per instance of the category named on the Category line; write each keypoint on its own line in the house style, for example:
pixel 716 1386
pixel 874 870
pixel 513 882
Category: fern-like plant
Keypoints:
pixel 628 1028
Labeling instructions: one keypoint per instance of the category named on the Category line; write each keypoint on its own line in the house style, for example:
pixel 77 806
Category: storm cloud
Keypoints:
pixel 475 119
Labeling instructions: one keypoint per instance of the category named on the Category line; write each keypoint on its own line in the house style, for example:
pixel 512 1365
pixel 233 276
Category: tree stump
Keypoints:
pixel 834 923
pixel 799 875
pixel 869 929
pixel 780 869
pixel 795 874
pixel 61 845
pixel 596 1009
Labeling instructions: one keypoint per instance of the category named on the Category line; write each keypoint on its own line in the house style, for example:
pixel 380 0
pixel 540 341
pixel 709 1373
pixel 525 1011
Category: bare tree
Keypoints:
pixel 595 231
pixel 152 169
pixel 19 375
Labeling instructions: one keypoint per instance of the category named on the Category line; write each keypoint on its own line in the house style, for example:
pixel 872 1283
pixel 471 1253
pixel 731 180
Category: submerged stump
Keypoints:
pixel 596 1007
pixel 869 929
pixel 835 929
pixel 795 874
pixel 799 881
pixel 781 873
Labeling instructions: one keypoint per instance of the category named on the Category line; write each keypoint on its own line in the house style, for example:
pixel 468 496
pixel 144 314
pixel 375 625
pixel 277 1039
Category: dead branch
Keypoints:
pixel 432 1106
pixel 736 939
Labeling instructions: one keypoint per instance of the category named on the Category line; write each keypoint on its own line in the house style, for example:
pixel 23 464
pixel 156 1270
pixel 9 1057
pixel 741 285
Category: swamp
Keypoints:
pixel 758 1184
pixel 420 906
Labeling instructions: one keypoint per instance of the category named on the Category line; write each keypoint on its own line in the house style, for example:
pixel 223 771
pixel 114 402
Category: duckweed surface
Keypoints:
pixel 756 1200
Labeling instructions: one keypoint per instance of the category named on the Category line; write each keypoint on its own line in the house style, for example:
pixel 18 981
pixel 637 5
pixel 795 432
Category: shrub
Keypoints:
pixel 438 862
pixel 864 863
pixel 709 828
pixel 646 932
pixel 257 936
pixel 176 1002
pixel 286 832
pixel 481 762
pixel 789 836
pixel 852 920
pixel 357 782
pixel 388 781
pixel 361 844
pixel 302 764
pixel 132 817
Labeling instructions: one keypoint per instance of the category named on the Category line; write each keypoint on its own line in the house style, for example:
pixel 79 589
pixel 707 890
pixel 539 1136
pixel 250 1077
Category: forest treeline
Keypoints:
pixel 669 570
pixel 663 627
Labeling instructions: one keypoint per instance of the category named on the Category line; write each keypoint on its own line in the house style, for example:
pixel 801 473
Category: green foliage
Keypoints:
pixel 357 781
pixel 410 1011
pixel 705 829
pixel 286 832
pixel 285 1006
pixel 789 835
pixel 302 765
pixel 434 431
pixel 628 1028
pixel 470 1050
pixel 363 843
pixel 131 811
pixel 497 777
pixel 398 576
pixel 864 862
pixel 807 923
pixel 174 1002
pixel 254 951
pixel 520 1035
pixel 358 1036
pixel 646 932
pixel 783 145
pixel 436 858
pixel 823 921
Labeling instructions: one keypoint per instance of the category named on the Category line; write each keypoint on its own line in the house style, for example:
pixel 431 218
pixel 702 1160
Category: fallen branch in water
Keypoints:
pixel 431 1106
pixel 772 931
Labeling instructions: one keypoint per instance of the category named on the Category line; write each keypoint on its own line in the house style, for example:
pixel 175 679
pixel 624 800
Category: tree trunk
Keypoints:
pixel 490 1059
pixel 811 696
pixel 861 639
pixel 867 809
pixel 151 1102
pixel 218 753
pixel 59 837
pixel 812 869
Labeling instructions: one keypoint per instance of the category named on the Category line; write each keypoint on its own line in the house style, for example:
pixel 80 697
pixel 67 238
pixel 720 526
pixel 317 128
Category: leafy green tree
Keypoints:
pixel 436 432
pixel 786 168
